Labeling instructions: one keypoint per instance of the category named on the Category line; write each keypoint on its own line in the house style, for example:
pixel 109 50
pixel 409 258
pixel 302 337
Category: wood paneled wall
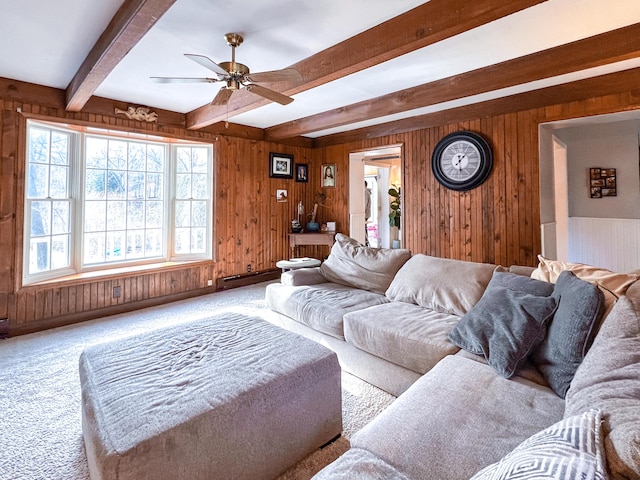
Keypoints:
pixel 497 222
pixel 250 226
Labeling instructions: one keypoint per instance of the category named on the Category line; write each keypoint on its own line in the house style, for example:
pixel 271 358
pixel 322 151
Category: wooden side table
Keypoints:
pixel 319 238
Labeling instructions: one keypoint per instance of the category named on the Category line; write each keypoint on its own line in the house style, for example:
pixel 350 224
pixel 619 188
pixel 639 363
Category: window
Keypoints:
pixel 103 200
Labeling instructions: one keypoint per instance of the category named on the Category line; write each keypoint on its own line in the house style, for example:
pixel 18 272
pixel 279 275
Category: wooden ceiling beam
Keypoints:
pixel 603 49
pixel 613 83
pixel 130 23
pixel 424 25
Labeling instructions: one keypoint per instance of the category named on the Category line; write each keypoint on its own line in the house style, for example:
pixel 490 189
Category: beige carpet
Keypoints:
pixel 40 419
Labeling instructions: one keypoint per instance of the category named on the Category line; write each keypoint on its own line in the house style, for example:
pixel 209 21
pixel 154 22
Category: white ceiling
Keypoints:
pixel 45 42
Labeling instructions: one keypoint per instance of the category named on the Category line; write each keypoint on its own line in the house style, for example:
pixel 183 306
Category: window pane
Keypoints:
pixel 60 219
pixel 39 255
pixel 155 158
pixel 135 215
pixel 38 181
pixel 183 186
pixel 59 182
pixel 38 145
pixel 116 215
pixel 136 185
pixel 200 188
pixel 94 248
pixel 115 247
pixel 137 156
pixel 154 186
pixel 117 185
pixel 200 160
pixel 95 216
pixel 95 184
pixel 135 244
pixel 60 251
pixel 155 214
pixel 60 148
pixel 199 214
pixel 117 155
pixel 183 214
pixel 40 218
pixel 96 152
pixel 183 160
pixel 153 243
pixel 183 240
pixel 198 236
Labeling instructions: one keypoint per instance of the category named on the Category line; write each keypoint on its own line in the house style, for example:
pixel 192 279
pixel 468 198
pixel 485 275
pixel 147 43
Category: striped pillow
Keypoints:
pixel 567 450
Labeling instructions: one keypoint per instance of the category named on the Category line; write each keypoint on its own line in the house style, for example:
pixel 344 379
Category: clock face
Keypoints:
pixel 462 160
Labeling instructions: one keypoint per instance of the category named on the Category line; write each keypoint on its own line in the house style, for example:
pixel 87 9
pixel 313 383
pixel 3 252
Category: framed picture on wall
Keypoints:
pixel 280 165
pixel 328 175
pixel 602 182
pixel 302 172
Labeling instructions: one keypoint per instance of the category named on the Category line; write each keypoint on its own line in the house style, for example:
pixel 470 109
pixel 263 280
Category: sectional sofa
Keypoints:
pixel 498 370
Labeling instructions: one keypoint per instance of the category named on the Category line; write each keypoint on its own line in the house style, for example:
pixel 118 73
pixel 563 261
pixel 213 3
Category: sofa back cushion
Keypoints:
pixel 442 284
pixel 609 379
pixel 613 285
pixel 353 264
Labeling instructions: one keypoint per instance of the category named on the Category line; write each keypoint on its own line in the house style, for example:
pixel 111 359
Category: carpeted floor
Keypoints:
pixel 40 419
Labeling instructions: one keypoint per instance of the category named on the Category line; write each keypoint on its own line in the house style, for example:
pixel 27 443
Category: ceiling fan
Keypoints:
pixel 237 76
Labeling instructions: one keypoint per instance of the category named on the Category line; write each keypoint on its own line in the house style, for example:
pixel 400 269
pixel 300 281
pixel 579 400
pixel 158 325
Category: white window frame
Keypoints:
pixel 78 202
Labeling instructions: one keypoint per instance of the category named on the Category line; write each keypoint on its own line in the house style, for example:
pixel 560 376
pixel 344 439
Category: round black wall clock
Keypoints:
pixel 462 160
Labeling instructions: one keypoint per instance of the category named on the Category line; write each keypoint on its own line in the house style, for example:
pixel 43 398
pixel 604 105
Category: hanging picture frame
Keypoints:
pixel 328 175
pixel 302 172
pixel 280 165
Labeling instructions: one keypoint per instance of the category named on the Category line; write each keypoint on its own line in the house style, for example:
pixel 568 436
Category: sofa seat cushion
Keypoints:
pixel 441 284
pixel 420 434
pixel 353 264
pixel 361 465
pixel 403 333
pixel 609 379
pixel 321 307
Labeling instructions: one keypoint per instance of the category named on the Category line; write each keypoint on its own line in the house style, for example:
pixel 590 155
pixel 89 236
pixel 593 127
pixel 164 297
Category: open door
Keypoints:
pixel 381 169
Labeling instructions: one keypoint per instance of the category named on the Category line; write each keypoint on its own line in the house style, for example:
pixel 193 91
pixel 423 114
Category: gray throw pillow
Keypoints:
pixel 506 325
pixel 571 332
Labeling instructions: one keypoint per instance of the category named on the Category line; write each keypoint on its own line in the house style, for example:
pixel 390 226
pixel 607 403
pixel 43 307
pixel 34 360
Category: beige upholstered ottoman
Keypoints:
pixel 228 397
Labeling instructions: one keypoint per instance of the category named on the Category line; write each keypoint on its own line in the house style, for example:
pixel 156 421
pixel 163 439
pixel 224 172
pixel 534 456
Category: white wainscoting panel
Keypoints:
pixel 612 243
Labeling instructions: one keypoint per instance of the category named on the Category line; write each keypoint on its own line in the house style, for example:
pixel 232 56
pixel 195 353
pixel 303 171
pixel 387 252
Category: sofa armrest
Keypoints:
pixel 302 276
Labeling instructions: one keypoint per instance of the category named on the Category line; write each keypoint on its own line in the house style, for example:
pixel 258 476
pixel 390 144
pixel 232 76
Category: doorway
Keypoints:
pixel 377 170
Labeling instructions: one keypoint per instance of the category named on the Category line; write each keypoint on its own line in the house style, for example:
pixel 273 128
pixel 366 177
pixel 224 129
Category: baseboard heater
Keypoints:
pixel 248 279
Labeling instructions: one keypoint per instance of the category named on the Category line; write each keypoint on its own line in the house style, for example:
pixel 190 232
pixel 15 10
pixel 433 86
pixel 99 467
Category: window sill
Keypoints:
pixel 120 272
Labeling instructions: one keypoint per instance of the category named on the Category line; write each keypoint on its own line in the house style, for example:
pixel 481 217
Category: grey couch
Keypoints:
pixel 549 376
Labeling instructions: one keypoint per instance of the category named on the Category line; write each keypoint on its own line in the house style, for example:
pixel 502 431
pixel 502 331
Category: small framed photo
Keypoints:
pixel 280 165
pixel 328 175
pixel 281 195
pixel 302 172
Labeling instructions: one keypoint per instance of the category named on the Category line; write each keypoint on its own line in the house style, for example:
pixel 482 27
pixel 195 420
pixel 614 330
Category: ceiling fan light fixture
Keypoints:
pixel 236 76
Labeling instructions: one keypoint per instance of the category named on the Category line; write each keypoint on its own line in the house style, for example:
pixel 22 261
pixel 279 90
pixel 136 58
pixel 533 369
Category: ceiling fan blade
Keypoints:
pixel 285 75
pixel 206 62
pixel 223 96
pixel 183 80
pixel 269 94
